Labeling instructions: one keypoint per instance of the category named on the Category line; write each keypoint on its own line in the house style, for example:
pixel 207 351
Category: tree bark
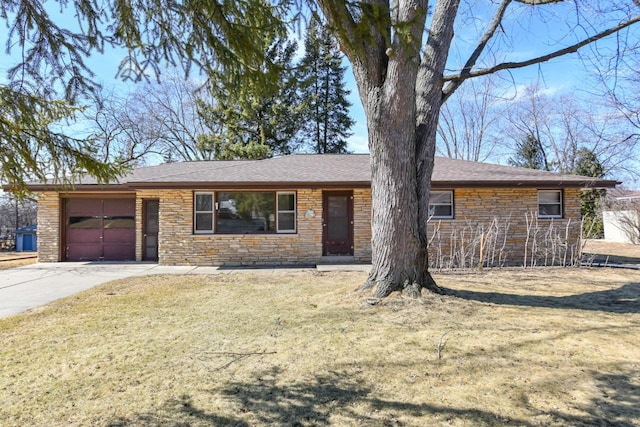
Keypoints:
pixel 402 122
pixel 399 256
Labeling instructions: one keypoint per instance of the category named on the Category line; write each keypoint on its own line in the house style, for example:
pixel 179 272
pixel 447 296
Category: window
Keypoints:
pixel 441 204
pixel 203 212
pixel 286 212
pixel 549 204
pixel 245 212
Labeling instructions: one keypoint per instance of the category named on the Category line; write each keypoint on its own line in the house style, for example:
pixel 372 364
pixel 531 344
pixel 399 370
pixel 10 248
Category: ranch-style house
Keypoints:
pixel 305 209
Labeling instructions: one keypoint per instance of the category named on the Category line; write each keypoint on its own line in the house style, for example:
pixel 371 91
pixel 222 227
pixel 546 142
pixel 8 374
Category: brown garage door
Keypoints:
pixel 100 229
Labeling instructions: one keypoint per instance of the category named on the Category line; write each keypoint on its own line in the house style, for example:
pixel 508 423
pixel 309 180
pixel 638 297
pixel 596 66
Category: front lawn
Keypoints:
pixel 510 347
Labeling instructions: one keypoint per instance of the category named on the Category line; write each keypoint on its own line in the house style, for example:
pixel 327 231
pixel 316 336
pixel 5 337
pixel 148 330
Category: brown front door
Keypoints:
pixel 337 226
pixel 150 229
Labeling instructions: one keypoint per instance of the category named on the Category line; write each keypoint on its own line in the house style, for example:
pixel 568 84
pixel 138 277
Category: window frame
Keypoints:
pixel 294 212
pixel 196 212
pixel 452 204
pixel 560 204
pixel 215 207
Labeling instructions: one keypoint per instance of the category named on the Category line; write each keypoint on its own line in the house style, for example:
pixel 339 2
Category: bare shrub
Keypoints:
pixel 496 243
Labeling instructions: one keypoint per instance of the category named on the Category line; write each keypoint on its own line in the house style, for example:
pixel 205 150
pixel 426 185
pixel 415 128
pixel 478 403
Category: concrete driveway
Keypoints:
pixel 30 286
pixel 33 285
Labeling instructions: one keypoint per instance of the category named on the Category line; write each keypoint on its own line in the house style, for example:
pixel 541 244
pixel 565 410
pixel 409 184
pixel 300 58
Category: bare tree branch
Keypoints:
pixel 538 2
pixel 466 70
pixel 540 59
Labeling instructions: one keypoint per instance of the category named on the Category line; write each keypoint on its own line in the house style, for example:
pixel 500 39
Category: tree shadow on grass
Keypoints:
pixel 625 299
pixel 326 400
pixel 618 403
pixel 300 403
pixel 336 398
pixel 178 413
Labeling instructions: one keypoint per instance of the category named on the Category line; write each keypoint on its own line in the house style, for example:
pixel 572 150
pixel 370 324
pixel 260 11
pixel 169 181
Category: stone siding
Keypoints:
pixel 362 225
pixel 49 229
pixel 489 223
pixel 500 227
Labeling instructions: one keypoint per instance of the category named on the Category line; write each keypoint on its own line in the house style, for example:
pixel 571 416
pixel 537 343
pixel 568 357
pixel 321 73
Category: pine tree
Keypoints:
pixel 530 154
pixel 588 164
pixel 327 122
pixel 255 118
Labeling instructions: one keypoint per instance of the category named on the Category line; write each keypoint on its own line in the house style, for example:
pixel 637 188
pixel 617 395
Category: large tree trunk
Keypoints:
pixel 399 255
pixel 402 120
pixel 401 94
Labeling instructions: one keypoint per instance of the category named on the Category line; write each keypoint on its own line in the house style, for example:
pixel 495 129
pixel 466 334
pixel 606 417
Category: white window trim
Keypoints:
pixel 443 204
pixel 561 205
pixel 212 212
pixel 294 211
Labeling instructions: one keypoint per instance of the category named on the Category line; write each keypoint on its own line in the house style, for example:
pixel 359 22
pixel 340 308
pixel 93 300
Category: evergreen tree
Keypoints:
pixel 43 92
pixel 530 154
pixel 255 118
pixel 587 164
pixel 321 77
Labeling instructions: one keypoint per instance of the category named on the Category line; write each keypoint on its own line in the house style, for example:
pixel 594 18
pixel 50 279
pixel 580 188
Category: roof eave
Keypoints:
pixel 551 184
pixel 251 185
pixel 132 186
pixel 35 188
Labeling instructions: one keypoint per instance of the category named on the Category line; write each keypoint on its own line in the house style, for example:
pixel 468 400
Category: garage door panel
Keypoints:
pixel 100 229
pixel 118 252
pixel 119 236
pixel 84 252
pixel 84 222
pixel 119 207
pixel 83 207
pixel 119 222
pixel 84 236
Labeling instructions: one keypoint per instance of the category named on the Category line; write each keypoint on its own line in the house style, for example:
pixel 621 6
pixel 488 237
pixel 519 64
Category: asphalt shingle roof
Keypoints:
pixel 294 168
pixel 336 169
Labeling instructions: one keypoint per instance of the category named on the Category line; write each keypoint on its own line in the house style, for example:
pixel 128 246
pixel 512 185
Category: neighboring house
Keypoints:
pixel 305 209
pixel 621 216
pixel 26 239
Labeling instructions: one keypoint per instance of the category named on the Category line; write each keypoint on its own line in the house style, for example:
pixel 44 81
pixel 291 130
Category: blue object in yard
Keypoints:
pixel 26 239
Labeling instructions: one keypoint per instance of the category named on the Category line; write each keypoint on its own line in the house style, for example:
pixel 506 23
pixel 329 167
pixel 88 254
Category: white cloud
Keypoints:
pixel 358 143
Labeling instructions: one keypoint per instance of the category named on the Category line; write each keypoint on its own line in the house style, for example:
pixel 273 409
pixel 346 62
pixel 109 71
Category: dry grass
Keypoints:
pixel 13 263
pixel 627 250
pixel 514 347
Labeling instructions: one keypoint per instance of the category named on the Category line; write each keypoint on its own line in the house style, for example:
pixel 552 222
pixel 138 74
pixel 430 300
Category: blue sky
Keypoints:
pixel 528 40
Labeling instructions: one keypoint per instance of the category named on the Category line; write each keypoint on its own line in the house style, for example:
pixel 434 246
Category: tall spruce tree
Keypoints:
pixel 255 118
pixel 327 122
